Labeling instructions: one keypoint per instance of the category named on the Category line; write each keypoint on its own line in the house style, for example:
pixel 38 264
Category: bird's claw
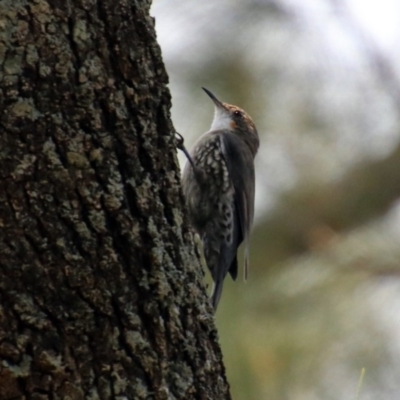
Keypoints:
pixel 179 141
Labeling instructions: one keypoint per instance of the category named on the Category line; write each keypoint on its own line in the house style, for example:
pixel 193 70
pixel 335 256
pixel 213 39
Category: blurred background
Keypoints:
pixel 321 80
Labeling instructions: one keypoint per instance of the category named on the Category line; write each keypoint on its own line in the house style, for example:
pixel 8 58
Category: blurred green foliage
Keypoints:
pixel 322 300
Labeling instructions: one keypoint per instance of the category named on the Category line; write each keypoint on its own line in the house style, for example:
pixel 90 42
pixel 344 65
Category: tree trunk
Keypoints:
pixel 101 293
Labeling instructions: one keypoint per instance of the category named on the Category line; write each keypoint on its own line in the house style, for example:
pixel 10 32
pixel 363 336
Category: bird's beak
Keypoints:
pixel 217 103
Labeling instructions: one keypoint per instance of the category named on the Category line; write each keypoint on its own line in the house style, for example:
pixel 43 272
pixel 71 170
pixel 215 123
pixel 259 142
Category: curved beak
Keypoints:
pixel 214 99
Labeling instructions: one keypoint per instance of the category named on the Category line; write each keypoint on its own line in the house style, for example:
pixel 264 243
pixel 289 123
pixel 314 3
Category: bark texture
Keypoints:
pixel 101 294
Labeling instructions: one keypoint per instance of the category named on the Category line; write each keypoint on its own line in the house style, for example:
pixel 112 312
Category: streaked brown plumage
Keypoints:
pixel 218 185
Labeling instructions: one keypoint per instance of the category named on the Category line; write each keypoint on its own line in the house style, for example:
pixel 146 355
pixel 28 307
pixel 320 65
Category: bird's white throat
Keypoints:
pixel 222 120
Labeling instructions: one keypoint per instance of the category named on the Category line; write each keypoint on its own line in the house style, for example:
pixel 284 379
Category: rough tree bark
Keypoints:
pixel 101 293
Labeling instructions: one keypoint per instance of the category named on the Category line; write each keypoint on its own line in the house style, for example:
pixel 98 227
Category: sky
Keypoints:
pixel 380 19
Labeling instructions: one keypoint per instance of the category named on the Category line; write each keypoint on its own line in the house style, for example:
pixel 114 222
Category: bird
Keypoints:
pixel 218 184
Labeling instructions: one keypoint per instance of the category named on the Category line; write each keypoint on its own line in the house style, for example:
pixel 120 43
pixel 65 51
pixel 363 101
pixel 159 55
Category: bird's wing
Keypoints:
pixel 240 163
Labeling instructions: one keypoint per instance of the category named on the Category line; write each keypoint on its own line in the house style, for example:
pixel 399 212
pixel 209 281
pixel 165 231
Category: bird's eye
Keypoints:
pixel 237 113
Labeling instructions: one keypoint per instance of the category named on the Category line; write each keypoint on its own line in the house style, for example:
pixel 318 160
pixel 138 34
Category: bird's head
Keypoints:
pixel 234 119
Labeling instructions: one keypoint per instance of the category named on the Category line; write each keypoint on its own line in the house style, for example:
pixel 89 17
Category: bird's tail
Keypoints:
pixel 216 293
